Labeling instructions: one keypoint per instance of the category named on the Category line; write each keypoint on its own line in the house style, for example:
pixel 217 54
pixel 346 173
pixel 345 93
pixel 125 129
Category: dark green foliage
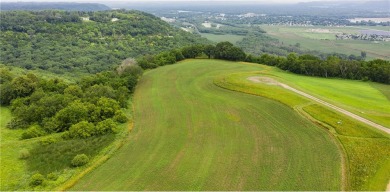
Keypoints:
pixel 55 106
pixel 83 129
pixel 60 41
pixel 20 86
pixel 48 140
pixel 333 66
pixel 106 126
pixel 120 117
pixel 74 90
pixel 52 176
pixel 72 114
pixel 107 107
pixel 227 51
pixel 80 160
pixel 192 51
pixel 17 123
pixel 33 131
pixel 36 179
pixel 5 75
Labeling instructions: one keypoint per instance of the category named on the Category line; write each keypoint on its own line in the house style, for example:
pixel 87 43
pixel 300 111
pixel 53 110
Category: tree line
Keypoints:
pixel 377 70
pixel 223 50
pixel 306 64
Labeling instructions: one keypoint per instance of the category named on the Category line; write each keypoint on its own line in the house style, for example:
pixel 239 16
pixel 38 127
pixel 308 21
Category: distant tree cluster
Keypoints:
pixel 333 66
pixel 91 107
pixel 84 41
pixel 223 50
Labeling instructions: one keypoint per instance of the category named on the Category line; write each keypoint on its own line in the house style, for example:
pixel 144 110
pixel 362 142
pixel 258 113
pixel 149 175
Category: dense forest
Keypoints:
pixel 62 41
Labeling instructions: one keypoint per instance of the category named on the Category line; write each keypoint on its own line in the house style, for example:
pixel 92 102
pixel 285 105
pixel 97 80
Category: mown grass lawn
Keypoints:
pixel 190 134
pixel 369 100
pixel 367 150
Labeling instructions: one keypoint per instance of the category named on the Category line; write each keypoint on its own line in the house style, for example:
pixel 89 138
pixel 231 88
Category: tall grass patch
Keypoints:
pixel 58 156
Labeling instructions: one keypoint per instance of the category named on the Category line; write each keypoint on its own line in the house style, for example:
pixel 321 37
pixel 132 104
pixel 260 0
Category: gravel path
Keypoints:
pixel 271 81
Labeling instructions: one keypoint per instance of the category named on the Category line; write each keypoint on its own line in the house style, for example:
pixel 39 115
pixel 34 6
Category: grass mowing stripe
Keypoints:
pixel 190 134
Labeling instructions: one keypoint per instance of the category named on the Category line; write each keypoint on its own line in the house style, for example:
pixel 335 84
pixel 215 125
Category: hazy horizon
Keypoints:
pixel 138 1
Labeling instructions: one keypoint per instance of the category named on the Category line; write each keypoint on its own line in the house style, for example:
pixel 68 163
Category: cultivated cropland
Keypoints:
pixel 194 96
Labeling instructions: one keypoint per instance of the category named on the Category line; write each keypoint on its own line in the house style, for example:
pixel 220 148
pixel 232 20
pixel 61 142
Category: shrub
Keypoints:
pixel 37 179
pixel 16 123
pixel 106 126
pixel 24 154
pixel 33 131
pixel 47 141
pixel 80 160
pixel 66 135
pixel 120 117
pixel 52 176
pixel 84 129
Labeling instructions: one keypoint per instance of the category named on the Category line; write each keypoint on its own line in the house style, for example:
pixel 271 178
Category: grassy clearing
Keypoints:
pixel 190 134
pixel 323 39
pixel 367 149
pixel 54 158
pixel 347 94
pixel 385 89
pixel 11 167
pixel 219 38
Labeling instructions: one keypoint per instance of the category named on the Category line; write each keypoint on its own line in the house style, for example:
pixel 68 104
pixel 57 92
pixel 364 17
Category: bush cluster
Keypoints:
pixel 92 106
pixel 80 160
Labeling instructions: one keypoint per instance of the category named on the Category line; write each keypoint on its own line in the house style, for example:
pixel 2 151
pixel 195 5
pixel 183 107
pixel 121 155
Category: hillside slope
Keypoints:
pixel 190 134
pixel 61 41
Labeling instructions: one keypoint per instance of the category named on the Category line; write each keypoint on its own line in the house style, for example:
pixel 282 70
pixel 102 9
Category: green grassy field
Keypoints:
pixel 219 38
pixel 367 150
pixel 12 168
pixel 323 39
pixel 347 94
pixel 190 134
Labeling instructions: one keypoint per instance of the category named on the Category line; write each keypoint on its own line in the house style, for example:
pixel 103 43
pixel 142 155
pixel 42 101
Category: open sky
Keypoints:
pixel 257 1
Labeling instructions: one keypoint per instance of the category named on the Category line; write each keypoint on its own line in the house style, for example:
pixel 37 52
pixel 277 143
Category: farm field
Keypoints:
pixel 220 38
pixel 347 94
pixel 190 134
pixel 323 39
pixel 367 149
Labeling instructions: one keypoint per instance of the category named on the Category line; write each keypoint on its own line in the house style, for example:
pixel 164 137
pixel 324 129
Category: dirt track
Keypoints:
pixel 271 81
